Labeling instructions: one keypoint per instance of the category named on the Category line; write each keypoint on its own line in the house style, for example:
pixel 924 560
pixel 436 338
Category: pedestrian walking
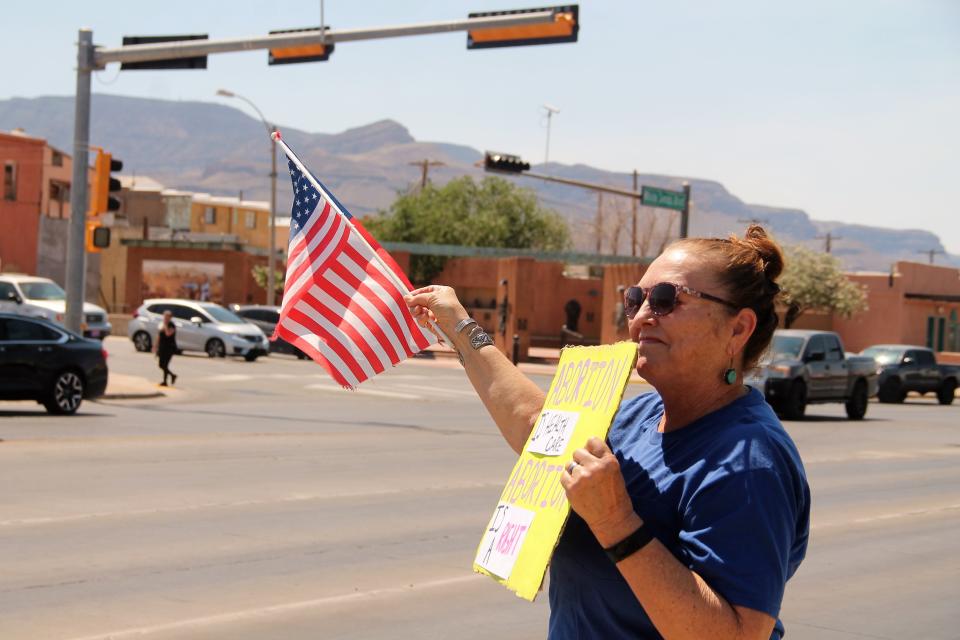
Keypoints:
pixel 166 347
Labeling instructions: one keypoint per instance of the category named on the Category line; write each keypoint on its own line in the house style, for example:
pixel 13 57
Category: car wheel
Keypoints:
pixel 946 392
pixel 795 404
pixel 891 391
pixel 65 395
pixel 857 402
pixel 142 341
pixel 215 348
pixel 250 357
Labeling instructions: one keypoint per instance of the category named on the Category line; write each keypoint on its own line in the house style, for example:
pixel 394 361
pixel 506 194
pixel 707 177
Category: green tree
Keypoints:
pixel 260 277
pixel 490 213
pixel 814 280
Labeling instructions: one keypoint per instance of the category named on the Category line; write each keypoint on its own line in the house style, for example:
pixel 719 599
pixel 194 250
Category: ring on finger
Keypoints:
pixel 571 466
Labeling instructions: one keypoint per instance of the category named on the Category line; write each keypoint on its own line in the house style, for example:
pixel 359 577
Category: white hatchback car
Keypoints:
pixel 201 326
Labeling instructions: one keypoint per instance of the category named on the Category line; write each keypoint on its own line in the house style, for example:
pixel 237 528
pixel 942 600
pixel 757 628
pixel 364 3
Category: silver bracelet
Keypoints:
pixel 463 324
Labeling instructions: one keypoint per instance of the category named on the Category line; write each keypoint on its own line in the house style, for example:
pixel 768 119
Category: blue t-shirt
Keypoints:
pixel 727 495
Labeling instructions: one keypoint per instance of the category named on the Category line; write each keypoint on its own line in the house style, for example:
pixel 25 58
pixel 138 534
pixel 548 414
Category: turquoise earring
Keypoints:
pixel 730 375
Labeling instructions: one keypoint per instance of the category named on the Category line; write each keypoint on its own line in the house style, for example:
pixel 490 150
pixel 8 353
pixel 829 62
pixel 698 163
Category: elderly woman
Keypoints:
pixel 691 518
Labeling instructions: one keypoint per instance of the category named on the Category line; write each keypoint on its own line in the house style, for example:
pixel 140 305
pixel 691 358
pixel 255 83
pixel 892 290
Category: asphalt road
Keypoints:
pixel 259 500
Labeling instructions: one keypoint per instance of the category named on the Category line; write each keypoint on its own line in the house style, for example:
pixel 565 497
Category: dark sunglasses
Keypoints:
pixel 662 298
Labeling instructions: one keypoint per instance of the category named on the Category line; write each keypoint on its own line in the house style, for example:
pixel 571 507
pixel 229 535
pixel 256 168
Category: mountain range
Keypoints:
pixel 214 148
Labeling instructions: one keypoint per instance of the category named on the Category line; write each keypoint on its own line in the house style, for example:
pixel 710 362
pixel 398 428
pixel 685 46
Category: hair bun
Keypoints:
pixel 770 254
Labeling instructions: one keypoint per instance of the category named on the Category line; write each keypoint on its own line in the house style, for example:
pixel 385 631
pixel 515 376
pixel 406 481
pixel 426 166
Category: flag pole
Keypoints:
pixel 400 284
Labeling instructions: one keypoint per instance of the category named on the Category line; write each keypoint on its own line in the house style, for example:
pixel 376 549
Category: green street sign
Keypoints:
pixel 654 197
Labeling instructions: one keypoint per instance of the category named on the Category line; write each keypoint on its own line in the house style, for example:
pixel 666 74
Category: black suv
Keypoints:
pixel 43 361
pixel 267 317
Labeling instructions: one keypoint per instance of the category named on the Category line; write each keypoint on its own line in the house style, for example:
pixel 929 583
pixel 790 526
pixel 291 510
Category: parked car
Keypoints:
pixel 807 367
pixel 201 326
pixel 43 298
pixel 903 367
pixel 267 317
pixel 42 361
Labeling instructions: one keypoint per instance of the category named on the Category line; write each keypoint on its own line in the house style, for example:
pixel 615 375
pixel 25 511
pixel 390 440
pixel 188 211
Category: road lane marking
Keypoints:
pixel 885 517
pixel 240 504
pixel 873 456
pixel 376 393
pixel 289 607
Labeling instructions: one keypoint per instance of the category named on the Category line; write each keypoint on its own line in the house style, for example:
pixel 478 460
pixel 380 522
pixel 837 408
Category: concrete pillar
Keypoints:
pixel 515 286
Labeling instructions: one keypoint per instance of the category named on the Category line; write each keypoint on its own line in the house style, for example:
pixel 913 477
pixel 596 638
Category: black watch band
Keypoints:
pixel 629 545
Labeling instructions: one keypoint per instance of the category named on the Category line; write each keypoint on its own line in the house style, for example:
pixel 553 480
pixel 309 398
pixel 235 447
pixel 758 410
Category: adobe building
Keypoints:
pixel 36 186
pixel 914 304
pixel 170 243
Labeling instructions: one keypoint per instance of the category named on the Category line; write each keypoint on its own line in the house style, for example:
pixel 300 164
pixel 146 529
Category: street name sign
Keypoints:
pixel 663 198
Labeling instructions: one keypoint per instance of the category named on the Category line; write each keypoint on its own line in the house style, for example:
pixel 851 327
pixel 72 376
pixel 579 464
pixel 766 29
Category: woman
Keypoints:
pixel 166 347
pixel 690 519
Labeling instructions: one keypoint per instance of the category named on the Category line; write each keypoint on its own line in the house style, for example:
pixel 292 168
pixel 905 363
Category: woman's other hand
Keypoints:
pixel 436 303
pixel 597 492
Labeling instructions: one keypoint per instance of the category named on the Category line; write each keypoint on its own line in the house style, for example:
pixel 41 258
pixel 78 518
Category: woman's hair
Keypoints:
pixel 747 268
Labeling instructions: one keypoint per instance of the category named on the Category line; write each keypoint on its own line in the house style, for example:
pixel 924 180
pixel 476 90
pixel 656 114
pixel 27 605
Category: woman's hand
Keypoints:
pixel 597 492
pixel 436 303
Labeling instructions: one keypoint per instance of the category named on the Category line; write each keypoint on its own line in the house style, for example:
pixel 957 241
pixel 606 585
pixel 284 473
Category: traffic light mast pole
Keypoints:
pixel 194 48
pixel 76 249
pixel 90 58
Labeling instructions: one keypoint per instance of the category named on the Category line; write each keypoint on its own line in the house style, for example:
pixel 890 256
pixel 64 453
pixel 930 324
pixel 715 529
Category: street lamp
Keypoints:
pixel 271 284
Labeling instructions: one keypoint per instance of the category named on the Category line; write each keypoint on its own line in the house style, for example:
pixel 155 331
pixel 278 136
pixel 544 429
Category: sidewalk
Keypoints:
pixel 124 387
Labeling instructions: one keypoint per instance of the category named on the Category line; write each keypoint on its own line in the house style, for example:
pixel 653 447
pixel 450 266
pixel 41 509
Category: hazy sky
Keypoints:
pixel 848 109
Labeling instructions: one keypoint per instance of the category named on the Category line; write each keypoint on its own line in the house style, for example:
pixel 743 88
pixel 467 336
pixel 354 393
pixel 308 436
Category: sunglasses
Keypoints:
pixel 662 298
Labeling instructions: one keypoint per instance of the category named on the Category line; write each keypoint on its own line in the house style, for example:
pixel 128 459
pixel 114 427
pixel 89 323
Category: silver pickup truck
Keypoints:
pixel 807 367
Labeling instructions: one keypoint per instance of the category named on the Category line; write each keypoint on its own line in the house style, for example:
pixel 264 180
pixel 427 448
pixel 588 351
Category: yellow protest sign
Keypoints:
pixel 584 396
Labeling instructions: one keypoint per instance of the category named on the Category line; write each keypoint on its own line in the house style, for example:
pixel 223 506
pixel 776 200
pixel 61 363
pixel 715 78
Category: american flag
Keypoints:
pixel 343 297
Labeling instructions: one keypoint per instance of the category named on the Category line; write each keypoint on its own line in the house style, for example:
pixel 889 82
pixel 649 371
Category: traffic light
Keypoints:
pixel 198 62
pixel 301 53
pixel 97 237
pixel 564 28
pixel 104 184
pixel 504 162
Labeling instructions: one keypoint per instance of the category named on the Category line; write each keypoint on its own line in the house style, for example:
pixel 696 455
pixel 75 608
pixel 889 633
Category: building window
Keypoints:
pixel 10 181
pixel 251 219
pixel 210 215
pixel 59 197
pixel 57 159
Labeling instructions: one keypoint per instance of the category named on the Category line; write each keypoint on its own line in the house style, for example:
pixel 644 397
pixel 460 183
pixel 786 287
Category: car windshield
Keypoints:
pixel 786 347
pixel 220 314
pixel 42 291
pixel 883 355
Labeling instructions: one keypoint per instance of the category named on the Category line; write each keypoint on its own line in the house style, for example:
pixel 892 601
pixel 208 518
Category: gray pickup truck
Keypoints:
pixel 903 367
pixel 807 367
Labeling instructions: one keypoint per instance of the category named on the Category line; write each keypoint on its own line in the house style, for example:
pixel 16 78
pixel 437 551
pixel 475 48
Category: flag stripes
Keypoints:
pixel 343 297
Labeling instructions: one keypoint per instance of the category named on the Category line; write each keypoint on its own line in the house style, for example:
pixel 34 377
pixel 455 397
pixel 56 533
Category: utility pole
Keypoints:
pixel 76 247
pixel 633 226
pixel 932 252
pixel 828 240
pixel 425 165
pixel 685 214
pixel 551 110
pixel 599 221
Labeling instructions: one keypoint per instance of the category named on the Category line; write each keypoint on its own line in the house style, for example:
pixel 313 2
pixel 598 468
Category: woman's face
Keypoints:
pixel 693 340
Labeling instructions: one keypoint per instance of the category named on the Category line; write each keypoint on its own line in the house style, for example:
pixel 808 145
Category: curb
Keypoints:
pixel 132 396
